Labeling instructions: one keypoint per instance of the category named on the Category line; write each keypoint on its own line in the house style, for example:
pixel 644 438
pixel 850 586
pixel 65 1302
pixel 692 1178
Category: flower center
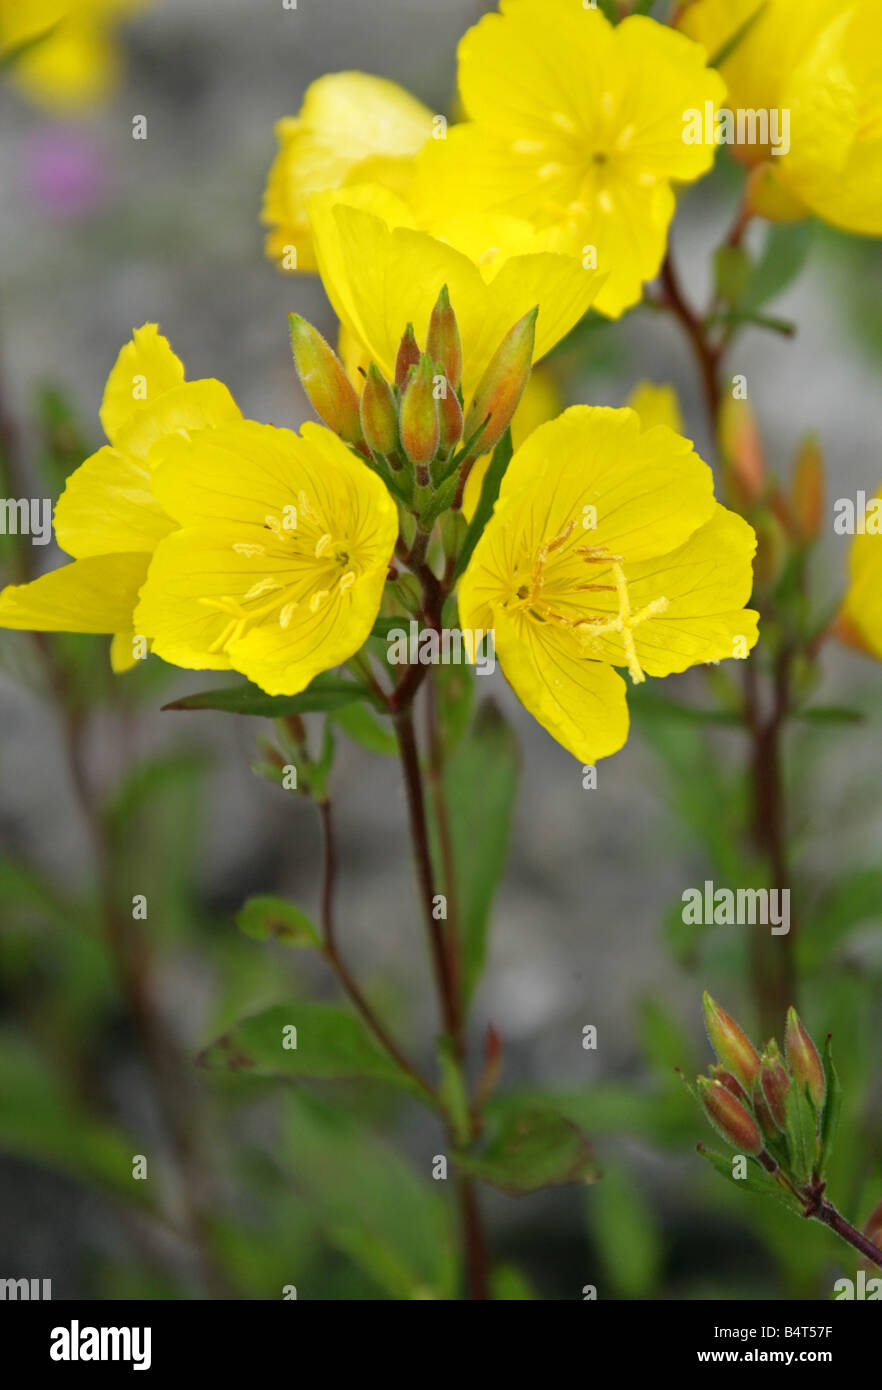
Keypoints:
pixel 530 599
pixel 315 566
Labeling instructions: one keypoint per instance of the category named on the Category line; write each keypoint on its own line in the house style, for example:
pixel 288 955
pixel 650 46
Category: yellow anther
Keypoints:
pixel 249 551
pixel 552 170
pixel 286 614
pixel 564 122
pixel 305 507
pixel 527 146
pixel 323 545
pixel 347 580
pixel 604 201
pixel 317 600
pixel 263 586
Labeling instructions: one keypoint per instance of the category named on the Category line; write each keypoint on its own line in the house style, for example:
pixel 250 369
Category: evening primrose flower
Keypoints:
pixel 575 126
pixel 63 53
pixel 820 61
pixel 380 273
pixel 352 128
pixel 278 567
pixel 108 517
pixel 606 549
pixel 860 619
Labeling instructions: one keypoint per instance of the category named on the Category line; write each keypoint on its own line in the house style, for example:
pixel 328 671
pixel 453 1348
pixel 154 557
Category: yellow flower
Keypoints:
pixel 575 126
pixel 862 609
pixel 352 128
pixel 108 517
pixel 656 405
pixel 380 273
pixel 63 53
pixel 820 61
pixel 279 566
pixel 606 548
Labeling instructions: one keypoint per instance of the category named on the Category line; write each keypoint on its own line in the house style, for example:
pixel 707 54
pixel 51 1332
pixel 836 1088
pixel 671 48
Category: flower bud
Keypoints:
pixel 449 417
pixel 324 380
pixel 420 430
pixel 803 1060
pixel 502 385
pixel 443 341
pixel 733 1047
pixel 378 413
pixel 774 1084
pixel 408 356
pixel 729 1117
pixel 726 1079
pixel 808 490
pixel 742 451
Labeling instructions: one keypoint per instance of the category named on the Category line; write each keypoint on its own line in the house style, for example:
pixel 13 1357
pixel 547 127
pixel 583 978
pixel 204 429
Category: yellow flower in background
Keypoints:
pixel 820 61
pixel 108 517
pixel 606 548
pixel 656 405
pixel 63 53
pixel 861 613
pixel 575 126
pixel 279 566
pixel 381 273
pixel 352 128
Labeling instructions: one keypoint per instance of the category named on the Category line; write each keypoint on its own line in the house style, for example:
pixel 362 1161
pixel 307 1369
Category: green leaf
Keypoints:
pixel 532 1149
pixel 480 781
pixel 359 724
pixel 273 919
pixel 625 1231
pixel 454 1097
pixel 802 1131
pixel 756 1180
pixel 39 1122
pixel 325 693
pixel 509 1285
pixel 832 1109
pixel 855 901
pixel 456 700
pixel 830 714
pixel 784 255
pixel 732 271
pixel 487 501
pixel 331 1044
pixel 369 1203
pixel 727 48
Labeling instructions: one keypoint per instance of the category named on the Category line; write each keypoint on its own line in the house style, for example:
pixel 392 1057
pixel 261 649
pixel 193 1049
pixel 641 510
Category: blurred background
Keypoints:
pixel 100 233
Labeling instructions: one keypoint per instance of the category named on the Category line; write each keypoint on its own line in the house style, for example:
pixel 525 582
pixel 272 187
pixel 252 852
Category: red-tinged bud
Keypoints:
pixel 443 340
pixel 742 451
pixel 729 1117
pixel 774 1084
pixel 420 430
pixel 772 549
pixel 492 1065
pixel 726 1079
pixel 378 413
pixel 808 491
pixel 449 417
pixel 324 380
pixel 733 1047
pixel 803 1060
pixel 408 356
pixel 502 385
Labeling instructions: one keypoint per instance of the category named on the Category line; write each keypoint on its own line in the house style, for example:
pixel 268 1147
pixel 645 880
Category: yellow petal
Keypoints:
pixel 108 506
pixel 197 405
pixel 123 654
pixel 649 488
pixel 144 369
pixel 541 401
pixel 97 594
pixel 352 127
pixel 705 584
pixel 581 703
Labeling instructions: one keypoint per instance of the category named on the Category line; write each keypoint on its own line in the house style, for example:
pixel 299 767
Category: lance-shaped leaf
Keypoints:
pixel 325 693
pixel 533 1149
pixel 300 1039
pixel 755 1179
pixel 487 501
pixel 802 1131
pixel 832 1108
